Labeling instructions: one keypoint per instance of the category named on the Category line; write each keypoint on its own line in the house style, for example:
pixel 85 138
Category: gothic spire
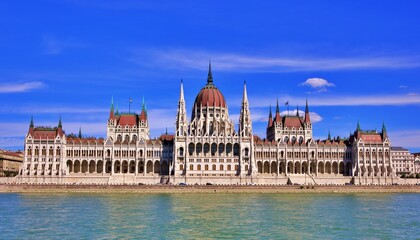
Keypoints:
pixel 277 106
pixel 297 110
pixel 116 113
pixel 59 123
pixel 245 124
pixel 80 132
pixel 270 118
pixel 384 133
pixel 245 95
pixel 307 117
pixel 111 111
pixel 358 126
pixel 329 135
pixel 210 75
pixel 31 124
pixel 181 94
pixel 181 115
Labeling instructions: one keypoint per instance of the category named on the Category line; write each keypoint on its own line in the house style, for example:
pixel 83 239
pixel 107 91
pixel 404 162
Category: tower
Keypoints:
pixel 246 137
pixel 181 131
pixel 307 125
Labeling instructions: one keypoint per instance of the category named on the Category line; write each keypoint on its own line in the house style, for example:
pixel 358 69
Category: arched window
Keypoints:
pixel 191 148
pixel 199 148
pixel 206 148
pixel 228 148
pixel 293 139
pixel 246 152
pixel 119 138
pixel 300 140
pixel 181 151
pixel 236 149
pixel 213 149
pixel 221 147
pixel 286 139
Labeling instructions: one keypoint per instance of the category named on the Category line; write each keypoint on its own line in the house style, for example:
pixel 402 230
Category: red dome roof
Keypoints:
pixel 210 96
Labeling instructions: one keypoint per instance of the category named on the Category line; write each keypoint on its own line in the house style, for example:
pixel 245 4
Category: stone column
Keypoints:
pixel 112 167
pixel 136 168
pixel 103 167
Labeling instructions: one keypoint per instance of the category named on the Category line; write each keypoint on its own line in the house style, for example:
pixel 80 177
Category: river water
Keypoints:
pixel 209 216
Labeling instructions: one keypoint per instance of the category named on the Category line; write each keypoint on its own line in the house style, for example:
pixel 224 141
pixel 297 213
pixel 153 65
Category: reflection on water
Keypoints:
pixel 198 216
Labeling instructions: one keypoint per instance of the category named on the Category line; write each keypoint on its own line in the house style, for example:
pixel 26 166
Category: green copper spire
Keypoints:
pixel 59 123
pixel 358 126
pixel 116 113
pixel 112 103
pixel 383 127
pixel 31 124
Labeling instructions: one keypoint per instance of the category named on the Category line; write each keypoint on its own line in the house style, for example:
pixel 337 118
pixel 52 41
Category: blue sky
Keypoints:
pixel 352 60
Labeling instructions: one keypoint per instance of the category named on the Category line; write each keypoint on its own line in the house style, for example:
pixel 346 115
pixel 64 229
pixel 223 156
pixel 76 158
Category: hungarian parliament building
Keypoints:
pixel 207 149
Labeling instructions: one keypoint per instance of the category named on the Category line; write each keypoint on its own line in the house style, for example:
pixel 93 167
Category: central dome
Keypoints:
pixel 210 96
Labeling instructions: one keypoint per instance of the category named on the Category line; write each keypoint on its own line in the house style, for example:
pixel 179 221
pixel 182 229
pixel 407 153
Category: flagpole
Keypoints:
pixel 129 105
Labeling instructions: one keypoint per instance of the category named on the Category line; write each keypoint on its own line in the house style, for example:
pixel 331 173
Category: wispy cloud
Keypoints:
pixel 337 100
pixel 197 59
pixel 53 45
pixel 20 87
pixel 405 138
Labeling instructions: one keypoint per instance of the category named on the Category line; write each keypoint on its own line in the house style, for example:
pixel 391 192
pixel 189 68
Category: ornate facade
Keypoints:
pixel 207 149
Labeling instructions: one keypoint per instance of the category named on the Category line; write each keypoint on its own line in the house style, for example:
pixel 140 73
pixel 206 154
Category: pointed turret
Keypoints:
pixel 210 75
pixel 111 111
pixel 270 118
pixel 31 124
pixel 329 135
pixel 297 110
pixel 358 126
pixel 277 118
pixel 384 133
pixel 59 123
pixel 245 124
pixel 181 116
pixel 307 117
pixel 80 133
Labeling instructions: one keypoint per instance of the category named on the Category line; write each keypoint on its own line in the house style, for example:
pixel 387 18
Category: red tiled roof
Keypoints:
pixel 292 121
pixel 129 120
pixel 166 137
pixel 45 132
pixel 371 138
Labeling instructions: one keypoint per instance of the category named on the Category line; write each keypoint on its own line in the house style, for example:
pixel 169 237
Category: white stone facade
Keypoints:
pixel 208 149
